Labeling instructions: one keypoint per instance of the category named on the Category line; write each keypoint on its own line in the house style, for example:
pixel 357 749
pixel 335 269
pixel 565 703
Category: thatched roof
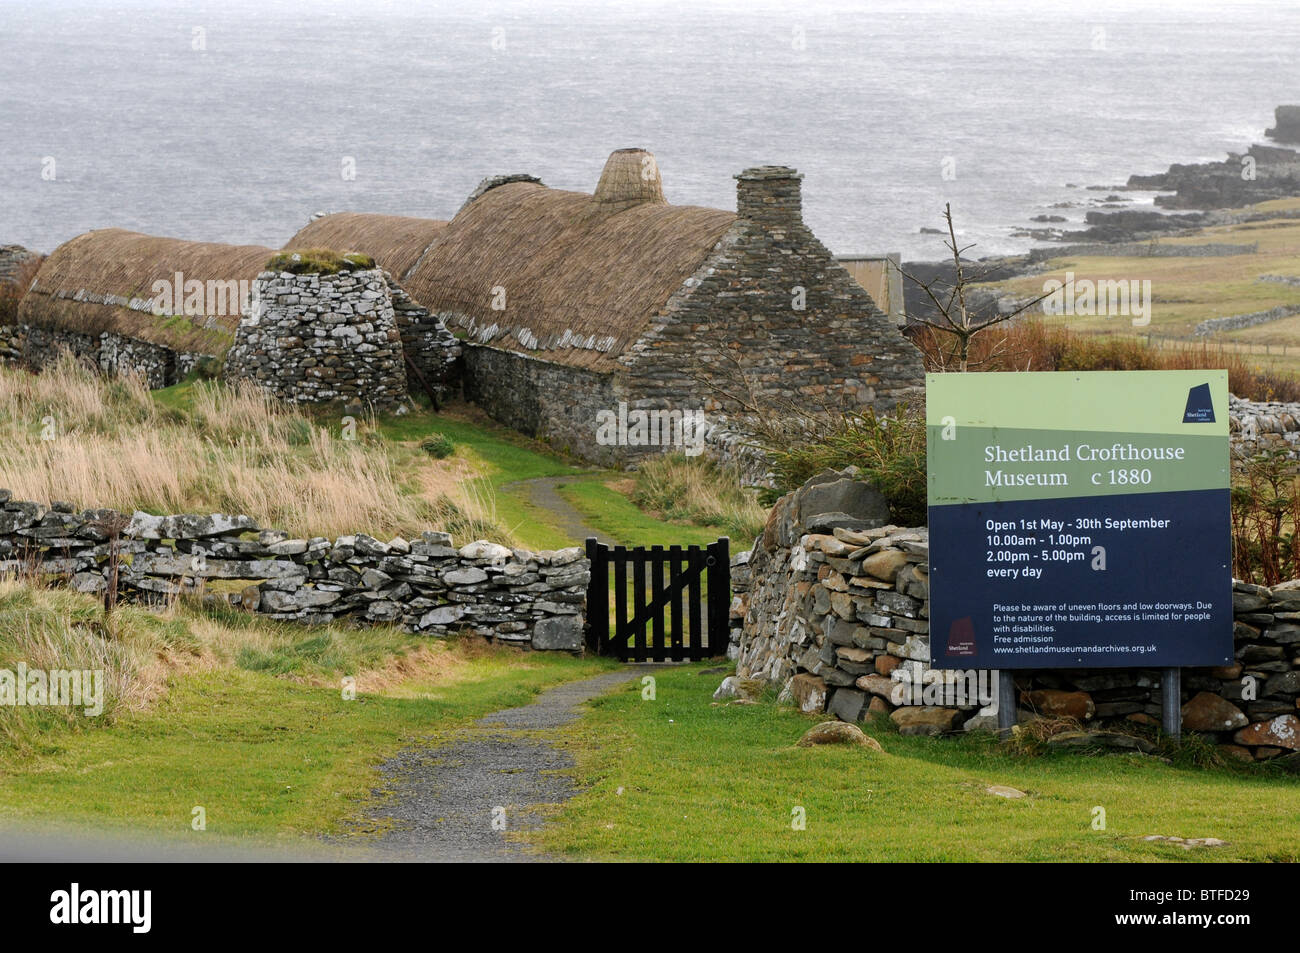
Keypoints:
pixel 582 280
pixel 396 242
pixel 583 274
pixel 104 281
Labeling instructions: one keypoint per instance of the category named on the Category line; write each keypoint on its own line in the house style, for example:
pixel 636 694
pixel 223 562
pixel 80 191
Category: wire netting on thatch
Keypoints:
pixel 104 281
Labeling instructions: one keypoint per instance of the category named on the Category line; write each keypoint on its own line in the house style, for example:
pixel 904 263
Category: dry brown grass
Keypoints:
pixel 237 452
pixel 1032 345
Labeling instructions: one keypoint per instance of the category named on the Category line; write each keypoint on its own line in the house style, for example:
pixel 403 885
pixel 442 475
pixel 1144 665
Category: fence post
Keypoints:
pixel 597 597
pixel 1171 701
pixel 719 596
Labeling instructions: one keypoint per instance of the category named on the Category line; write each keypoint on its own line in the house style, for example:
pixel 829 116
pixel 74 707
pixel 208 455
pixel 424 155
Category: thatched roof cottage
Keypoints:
pixel 579 313
pixel 573 305
pixel 101 295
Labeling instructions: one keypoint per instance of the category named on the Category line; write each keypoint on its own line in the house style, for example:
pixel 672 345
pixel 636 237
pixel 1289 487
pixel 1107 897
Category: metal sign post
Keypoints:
pixel 1171 696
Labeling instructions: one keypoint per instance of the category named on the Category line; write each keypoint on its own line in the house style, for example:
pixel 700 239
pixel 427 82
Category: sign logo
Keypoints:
pixel 961 637
pixel 1200 406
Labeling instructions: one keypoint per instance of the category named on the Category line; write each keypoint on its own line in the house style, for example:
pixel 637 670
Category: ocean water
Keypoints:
pixel 235 120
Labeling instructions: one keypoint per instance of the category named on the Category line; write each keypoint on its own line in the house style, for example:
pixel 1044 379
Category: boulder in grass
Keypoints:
pixel 741 689
pixel 838 733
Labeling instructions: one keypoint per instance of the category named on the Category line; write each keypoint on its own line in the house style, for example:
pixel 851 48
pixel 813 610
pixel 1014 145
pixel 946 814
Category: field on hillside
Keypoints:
pixel 1186 291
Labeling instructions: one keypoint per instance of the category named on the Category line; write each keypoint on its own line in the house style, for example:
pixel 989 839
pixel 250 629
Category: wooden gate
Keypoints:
pixel 669 603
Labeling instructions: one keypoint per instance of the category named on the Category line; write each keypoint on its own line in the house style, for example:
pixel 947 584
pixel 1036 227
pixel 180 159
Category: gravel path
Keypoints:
pixel 444 799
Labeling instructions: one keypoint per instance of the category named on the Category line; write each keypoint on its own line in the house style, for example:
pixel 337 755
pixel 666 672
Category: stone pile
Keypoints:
pixel 427 585
pixel 836 619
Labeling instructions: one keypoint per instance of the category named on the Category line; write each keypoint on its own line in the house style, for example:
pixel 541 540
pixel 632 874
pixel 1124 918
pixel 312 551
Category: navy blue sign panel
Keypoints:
pixel 1138 580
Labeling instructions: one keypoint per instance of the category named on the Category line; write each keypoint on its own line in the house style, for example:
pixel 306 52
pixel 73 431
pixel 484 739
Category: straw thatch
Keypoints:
pixel 582 274
pixel 103 281
pixel 581 282
pixel 630 177
pixel 394 241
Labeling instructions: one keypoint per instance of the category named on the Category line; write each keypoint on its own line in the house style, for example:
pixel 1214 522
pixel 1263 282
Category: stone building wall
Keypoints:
pixel 836 619
pixel 426 585
pixel 36 348
pixel 313 338
pixel 552 402
pixel 426 343
pixel 742 313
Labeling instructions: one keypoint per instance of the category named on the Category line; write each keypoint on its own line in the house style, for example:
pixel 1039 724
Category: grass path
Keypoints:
pixel 272 761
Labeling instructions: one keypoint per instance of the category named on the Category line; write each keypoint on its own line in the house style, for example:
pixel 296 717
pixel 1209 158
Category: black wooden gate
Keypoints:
pixel 670 603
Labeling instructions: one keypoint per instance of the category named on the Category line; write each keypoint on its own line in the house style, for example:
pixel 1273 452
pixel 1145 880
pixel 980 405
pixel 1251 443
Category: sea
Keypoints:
pixel 237 120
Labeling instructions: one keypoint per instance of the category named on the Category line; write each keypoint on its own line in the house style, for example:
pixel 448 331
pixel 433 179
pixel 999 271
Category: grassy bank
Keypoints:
pixel 240 716
pixel 200 446
pixel 680 779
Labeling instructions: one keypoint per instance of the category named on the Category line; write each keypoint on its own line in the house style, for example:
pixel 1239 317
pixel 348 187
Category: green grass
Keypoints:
pixel 499 456
pixel 270 758
pixel 611 512
pixel 720 783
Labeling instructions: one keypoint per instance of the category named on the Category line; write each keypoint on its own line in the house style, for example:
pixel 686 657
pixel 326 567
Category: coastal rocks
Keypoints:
pixel 426 586
pixel 1275 173
pixel 1288 125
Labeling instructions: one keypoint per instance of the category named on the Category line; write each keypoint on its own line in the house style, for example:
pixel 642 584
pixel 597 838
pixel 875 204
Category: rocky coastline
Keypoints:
pixel 1194 196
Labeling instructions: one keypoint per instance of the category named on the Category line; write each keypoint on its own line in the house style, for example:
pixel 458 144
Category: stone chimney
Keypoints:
pixel 770 195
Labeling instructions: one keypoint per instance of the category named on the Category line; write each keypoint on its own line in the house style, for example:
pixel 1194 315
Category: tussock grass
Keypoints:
pixel 47 629
pixel 69 434
pixel 699 491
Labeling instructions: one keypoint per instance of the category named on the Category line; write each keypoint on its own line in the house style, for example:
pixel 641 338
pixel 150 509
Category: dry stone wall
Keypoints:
pixel 1258 426
pixel 36 348
pixel 426 585
pixel 836 618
